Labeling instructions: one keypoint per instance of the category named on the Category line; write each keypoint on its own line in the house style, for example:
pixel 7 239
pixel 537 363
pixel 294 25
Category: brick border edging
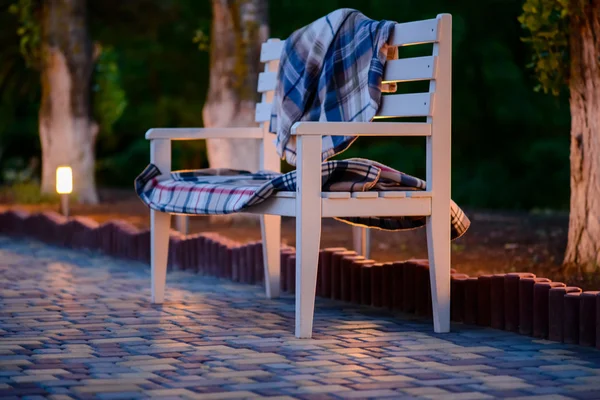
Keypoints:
pixel 516 302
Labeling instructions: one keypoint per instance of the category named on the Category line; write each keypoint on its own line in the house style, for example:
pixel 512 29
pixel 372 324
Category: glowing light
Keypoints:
pixel 64 180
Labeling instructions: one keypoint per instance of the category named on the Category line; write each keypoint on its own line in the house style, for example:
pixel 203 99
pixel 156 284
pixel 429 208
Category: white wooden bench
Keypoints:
pixel 309 205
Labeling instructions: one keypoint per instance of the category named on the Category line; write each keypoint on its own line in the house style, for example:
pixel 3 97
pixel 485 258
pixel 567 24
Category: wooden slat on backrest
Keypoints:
pixel 417 32
pixel 269 159
pixel 410 69
pixel 267 81
pixel 401 70
pixel 405 105
pixel 404 34
pixel 263 112
pixel 271 51
pixel 437 146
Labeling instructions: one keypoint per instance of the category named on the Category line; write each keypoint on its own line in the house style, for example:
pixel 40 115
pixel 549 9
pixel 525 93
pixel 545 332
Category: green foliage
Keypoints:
pixel 547 21
pixel 29 30
pixel 21 184
pixel 109 99
pixel 17 171
pixel 115 170
pixel 163 74
pixel 202 35
pixel 26 193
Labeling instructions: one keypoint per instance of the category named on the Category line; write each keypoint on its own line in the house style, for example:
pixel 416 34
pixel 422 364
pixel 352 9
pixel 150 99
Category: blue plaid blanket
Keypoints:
pixel 330 70
pixel 226 191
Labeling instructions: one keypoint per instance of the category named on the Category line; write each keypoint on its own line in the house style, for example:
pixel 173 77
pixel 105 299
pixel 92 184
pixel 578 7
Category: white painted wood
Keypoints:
pixel 417 32
pixel 409 69
pixel 271 237
pixel 336 195
pixel 203 133
pixel 160 224
pixel 365 195
pixel 380 206
pixel 263 112
pixel 288 195
pixel 357 242
pixel 407 33
pixel 308 231
pixel 362 128
pixel 267 81
pixel 419 194
pixel 361 239
pixel 268 157
pixel 182 223
pixel 367 242
pixel 405 105
pixel 160 155
pixel 270 224
pixel 271 50
pixel 392 195
pixel 283 206
pixel 349 207
pixel 438 180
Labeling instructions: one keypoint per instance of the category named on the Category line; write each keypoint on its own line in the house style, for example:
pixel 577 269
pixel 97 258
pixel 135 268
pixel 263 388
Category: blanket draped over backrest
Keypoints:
pixel 330 70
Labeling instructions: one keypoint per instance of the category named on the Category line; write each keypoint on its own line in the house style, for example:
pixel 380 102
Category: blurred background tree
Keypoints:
pixel 238 29
pixel 161 64
pixel 63 52
pixel 565 39
pixel 510 143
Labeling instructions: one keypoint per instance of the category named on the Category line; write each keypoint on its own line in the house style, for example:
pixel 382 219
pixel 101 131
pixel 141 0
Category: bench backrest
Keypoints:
pixel 435 104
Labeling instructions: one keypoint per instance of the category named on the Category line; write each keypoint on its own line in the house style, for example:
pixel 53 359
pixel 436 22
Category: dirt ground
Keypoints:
pixel 496 242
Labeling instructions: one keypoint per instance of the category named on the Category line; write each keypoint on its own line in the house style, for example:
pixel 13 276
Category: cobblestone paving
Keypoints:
pixel 79 326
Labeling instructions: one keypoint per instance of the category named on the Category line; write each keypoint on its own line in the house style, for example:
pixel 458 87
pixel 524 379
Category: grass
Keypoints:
pixel 26 193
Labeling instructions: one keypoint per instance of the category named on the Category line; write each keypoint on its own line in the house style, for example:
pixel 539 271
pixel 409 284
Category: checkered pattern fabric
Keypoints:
pixel 330 70
pixel 226 191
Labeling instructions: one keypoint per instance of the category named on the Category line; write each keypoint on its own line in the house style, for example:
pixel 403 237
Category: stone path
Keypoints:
pixel 79 326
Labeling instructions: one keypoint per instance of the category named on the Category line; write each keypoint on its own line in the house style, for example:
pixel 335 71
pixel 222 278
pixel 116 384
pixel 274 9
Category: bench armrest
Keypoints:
pixel 204 133
pixel 362 128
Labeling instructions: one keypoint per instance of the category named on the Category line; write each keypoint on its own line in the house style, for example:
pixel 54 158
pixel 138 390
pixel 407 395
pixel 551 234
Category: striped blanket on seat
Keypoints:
pixel 226 191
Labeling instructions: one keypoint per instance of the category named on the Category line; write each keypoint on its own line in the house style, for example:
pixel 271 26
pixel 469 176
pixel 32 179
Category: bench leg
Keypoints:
pixel 438 247
pixel 308 238
pixel 271 241
pixel 361 239
pixel 308 231
pixel 160 225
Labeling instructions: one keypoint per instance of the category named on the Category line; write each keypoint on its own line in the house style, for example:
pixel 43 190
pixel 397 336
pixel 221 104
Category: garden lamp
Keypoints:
pixel 64 187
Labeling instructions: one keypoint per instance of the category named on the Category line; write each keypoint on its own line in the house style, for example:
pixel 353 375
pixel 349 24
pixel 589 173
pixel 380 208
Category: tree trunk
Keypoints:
pixel 238 29
pixel 583 248
pixel 67 132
